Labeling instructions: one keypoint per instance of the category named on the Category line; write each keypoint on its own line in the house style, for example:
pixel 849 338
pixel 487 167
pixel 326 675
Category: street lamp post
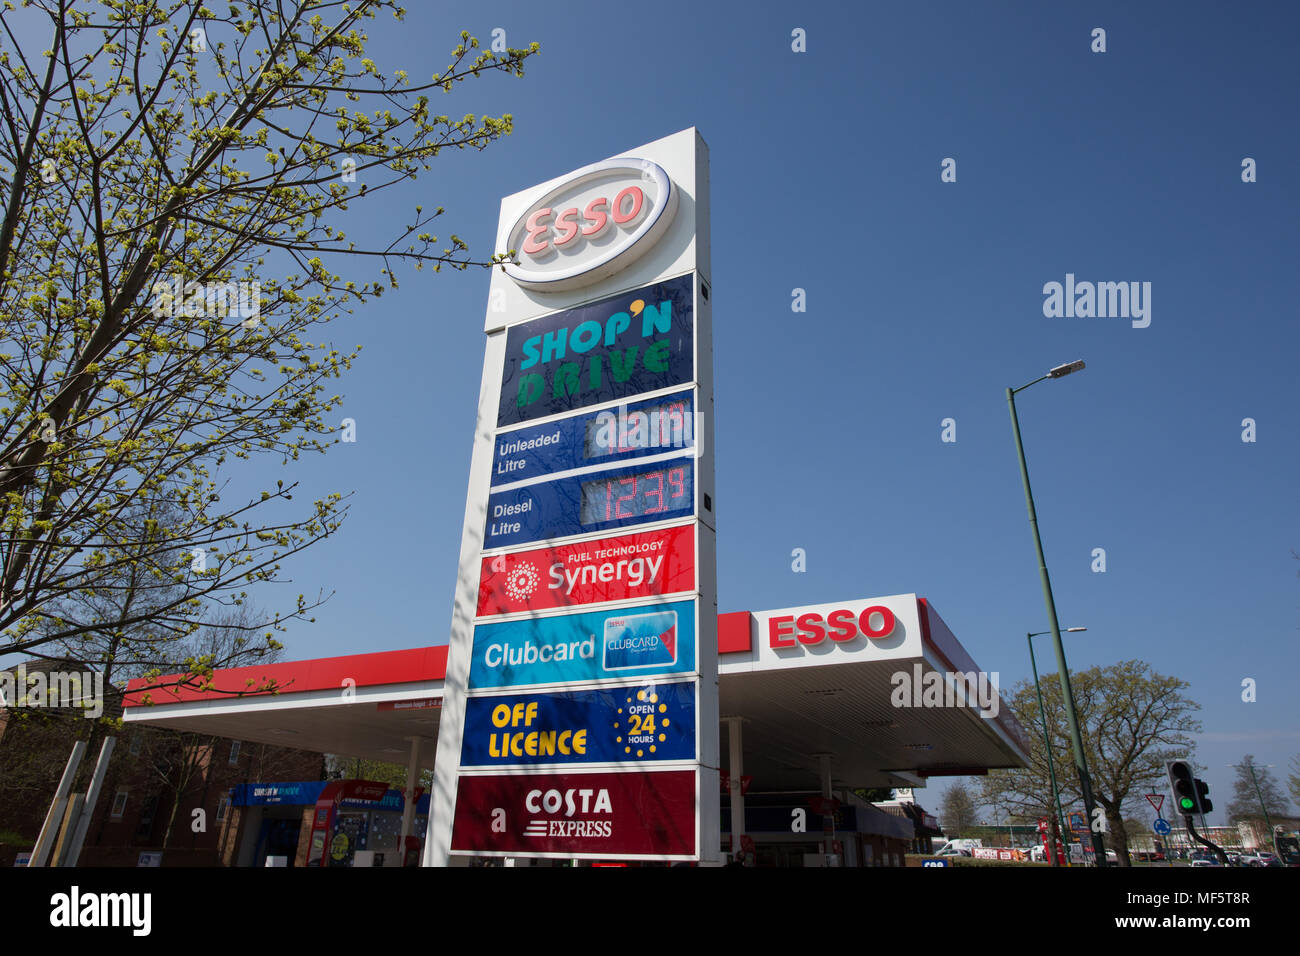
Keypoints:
pixel 1076 739
pixel 1047 745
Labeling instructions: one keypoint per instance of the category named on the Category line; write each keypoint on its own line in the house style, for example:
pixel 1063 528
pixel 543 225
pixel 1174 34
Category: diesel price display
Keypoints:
pixel 580 503
pixel 648 493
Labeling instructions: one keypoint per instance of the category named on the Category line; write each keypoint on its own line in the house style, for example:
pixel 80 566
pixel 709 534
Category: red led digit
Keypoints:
pixel 609 485
pixel 677 478
pixel 658 491
pixel 674 414
pixel 618 506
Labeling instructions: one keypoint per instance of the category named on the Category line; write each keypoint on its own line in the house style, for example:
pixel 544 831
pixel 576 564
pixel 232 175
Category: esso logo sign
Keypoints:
pixel 598 222
pixel 876 622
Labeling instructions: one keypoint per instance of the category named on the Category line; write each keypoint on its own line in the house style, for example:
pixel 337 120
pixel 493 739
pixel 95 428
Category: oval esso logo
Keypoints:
pixel 598 222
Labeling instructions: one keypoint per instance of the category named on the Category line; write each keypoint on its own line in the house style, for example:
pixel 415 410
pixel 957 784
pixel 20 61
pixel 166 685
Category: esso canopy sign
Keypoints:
pixel 842 625
pixel 597 222
pixel 815 635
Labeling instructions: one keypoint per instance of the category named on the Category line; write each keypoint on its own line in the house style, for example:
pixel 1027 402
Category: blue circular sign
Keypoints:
pixel 1161 826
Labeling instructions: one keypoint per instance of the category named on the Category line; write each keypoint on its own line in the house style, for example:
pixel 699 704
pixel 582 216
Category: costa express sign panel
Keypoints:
pixel 599 502
pixel 618 347
pixel 655 426
pixel 607 569
pixel 639 813
pixel 632 724
pixel 596 645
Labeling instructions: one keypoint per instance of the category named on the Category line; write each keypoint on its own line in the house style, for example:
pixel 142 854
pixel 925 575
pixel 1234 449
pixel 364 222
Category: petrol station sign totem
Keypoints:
pixel 580 706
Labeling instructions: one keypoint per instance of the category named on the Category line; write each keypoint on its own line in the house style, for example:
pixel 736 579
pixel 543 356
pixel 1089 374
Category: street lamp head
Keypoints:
pixel 1062 370
pixel 1072 629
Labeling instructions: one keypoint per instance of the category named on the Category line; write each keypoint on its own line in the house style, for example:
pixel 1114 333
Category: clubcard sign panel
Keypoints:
pixel 598 352
pixel 586 647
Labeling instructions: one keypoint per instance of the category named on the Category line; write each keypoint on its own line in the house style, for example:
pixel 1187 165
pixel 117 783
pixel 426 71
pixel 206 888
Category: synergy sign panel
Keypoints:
pixel 624 568
pixel 580 709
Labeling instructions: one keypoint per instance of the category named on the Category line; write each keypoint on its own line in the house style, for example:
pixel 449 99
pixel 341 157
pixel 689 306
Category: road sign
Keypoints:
pixel 938 863
pixel 1156 800
pixel 1161 826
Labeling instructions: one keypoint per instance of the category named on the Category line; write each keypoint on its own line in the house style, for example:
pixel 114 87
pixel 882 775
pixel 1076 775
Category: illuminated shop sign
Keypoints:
pixel 633 342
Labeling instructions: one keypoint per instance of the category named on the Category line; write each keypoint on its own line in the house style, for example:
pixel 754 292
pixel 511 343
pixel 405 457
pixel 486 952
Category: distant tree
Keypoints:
pixel 957 811
pixel 875 794
pixel 339 767
pixel 1293 780
pixel 1131 720
pixel 1246 798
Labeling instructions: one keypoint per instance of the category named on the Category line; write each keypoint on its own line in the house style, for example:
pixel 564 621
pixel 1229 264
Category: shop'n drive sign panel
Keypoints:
pixel 580 705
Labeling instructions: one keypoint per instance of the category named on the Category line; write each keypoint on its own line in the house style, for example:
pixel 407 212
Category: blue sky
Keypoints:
pixel 924 302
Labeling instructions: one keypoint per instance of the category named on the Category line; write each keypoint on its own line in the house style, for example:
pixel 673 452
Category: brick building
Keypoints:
pixel 138 808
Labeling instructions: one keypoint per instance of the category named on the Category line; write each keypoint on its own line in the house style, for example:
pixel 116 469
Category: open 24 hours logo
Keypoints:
pixel 561 806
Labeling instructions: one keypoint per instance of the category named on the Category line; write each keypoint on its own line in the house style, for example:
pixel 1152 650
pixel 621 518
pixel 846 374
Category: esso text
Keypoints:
pixel 876 622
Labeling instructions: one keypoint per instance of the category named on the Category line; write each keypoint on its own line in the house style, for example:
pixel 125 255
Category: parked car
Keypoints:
pixel 950 850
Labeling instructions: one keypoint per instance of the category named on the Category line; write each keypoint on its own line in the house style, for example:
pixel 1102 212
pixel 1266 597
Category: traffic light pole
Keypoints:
pixel 1218 850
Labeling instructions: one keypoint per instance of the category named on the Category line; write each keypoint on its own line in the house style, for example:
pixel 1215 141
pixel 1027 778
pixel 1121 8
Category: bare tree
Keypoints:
pixel 1131 719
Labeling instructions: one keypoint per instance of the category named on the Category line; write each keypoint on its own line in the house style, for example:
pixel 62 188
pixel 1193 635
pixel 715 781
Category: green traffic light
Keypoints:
pixel 1187 803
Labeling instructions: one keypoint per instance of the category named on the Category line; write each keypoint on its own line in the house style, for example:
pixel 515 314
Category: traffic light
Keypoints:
pixel 1203 795
pixel 1183 785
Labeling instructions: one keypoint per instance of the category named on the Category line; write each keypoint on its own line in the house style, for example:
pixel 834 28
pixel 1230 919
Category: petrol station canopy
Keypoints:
pixel 800 698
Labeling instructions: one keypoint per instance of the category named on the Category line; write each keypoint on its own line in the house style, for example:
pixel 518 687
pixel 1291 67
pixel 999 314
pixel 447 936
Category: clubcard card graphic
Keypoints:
pixel 641 640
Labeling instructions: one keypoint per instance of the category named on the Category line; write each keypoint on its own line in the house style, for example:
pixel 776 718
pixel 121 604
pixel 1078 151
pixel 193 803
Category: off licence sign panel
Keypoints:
pixel 638 723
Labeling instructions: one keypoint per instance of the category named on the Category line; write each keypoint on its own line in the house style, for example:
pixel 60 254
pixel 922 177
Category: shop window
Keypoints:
pixel 119 805
pixel 222 806
pixel 234 752
pixel 135 745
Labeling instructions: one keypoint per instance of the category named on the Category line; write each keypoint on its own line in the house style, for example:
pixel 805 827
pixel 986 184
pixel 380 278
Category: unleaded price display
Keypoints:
pixel 654 426
pixel 608 499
